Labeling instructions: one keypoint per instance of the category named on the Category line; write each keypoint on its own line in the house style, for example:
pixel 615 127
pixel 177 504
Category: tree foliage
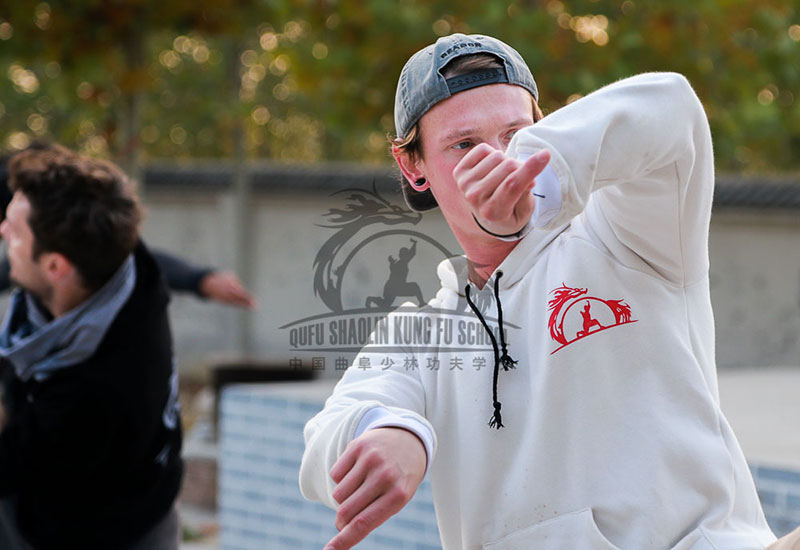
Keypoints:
pixel 314 79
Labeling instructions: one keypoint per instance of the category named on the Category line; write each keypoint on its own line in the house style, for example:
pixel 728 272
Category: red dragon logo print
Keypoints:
pixel 594 315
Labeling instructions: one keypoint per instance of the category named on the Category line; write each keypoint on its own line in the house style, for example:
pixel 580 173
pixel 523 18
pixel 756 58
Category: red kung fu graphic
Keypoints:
pixel 574 315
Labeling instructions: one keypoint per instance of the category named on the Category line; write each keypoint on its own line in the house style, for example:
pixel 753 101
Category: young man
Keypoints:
pixel 90 446
pixel 590 230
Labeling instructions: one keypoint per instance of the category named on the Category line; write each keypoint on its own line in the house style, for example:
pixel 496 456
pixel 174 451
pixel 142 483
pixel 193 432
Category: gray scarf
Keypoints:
pixel 38 345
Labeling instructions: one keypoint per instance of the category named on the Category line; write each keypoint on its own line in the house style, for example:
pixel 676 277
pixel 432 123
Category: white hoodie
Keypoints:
pixel 613 435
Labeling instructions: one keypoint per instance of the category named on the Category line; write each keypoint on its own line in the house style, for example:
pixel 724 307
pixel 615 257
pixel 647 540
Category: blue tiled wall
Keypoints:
pixel 779 490
pixel 260 505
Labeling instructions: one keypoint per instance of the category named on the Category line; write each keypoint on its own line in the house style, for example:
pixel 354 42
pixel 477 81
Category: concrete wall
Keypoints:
pixel 755 286
pixel 285 239
pixel 755 274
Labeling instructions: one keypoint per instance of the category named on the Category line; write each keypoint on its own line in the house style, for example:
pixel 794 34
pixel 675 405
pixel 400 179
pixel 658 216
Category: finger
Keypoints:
pixel 364 523
pixel 345 462
pixel 473 157
pixel 513 196
pixel 490 183
pixel 352 480
pixel 483 178
pixel 469 167
pixel 532 167
pixel 507 202
pixel 363 495
pixel 241 297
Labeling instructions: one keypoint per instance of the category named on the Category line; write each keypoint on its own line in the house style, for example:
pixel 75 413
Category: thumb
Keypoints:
pixel 533 166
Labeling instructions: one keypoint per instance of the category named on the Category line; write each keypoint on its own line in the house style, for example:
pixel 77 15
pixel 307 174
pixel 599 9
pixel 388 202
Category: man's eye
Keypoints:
pixel 462 145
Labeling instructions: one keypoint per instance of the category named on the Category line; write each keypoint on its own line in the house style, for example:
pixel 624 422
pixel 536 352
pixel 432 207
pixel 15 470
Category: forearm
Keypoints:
pixel 180 274
pixel 329 432
pixel 635 158
pixel 618 134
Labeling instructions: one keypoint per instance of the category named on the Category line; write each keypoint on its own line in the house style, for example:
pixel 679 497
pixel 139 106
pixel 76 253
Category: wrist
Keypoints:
pixel 516 235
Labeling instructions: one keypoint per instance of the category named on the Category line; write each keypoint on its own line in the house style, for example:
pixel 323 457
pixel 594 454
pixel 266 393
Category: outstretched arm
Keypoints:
pixel 221 286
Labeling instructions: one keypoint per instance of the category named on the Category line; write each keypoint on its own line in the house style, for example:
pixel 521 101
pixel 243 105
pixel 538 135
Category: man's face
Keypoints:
pixel 489 114
pixel 25 271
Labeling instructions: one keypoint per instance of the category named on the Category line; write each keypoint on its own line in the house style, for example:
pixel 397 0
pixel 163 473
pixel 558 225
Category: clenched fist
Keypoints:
pixel 498 187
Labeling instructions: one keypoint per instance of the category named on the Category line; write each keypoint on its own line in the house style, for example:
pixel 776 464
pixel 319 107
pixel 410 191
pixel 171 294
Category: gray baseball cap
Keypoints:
pixel 422 85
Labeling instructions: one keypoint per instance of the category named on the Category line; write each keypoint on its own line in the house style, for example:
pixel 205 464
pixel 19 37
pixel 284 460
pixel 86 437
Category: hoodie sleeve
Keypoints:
pixel 635 160
pixel 360 390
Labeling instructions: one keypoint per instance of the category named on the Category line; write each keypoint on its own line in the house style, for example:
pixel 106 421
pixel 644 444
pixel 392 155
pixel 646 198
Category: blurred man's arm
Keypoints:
pixel 220 286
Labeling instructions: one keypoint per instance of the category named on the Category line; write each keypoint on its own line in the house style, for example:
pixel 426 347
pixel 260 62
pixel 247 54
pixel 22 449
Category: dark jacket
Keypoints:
pixel 92 454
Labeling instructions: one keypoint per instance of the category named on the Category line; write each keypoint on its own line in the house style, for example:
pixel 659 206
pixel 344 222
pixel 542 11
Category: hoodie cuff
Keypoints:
pixel 380 417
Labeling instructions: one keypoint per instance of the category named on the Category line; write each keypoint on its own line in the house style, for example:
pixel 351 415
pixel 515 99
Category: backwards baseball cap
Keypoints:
pixel 422 85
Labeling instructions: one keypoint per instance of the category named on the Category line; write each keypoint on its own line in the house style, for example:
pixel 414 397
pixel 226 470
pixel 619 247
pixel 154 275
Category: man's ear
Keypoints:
pixel 56 267
pixel 409 165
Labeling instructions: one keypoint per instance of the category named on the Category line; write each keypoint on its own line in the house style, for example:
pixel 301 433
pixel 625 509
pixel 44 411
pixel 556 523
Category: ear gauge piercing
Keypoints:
pixel 420 185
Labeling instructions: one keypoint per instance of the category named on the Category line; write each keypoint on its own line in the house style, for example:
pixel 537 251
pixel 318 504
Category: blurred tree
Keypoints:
pixel 314 79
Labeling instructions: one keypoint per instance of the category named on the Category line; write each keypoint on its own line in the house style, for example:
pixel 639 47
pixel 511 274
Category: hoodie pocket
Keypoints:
pixel 573 531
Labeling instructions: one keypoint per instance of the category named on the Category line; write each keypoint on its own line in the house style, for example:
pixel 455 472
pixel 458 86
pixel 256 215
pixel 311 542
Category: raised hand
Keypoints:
pixel 498 187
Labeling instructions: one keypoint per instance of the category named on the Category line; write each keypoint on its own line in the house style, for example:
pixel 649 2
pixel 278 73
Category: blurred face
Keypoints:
pixel 489 114
pixel 25 271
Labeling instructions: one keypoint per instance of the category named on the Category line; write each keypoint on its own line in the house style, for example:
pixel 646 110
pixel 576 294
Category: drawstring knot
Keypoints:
pixel 507 362
pixel 497 420
pixel 505 359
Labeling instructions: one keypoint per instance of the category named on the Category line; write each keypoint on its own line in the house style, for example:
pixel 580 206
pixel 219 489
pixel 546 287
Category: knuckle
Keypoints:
pixel 354 446
pixel 337 495
pixel 496 156
pixel 399 496
pixel 372 457
pixel 343 514
pixel 361 525
pixel 487 213
pixel 387 476
pixel 472 196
